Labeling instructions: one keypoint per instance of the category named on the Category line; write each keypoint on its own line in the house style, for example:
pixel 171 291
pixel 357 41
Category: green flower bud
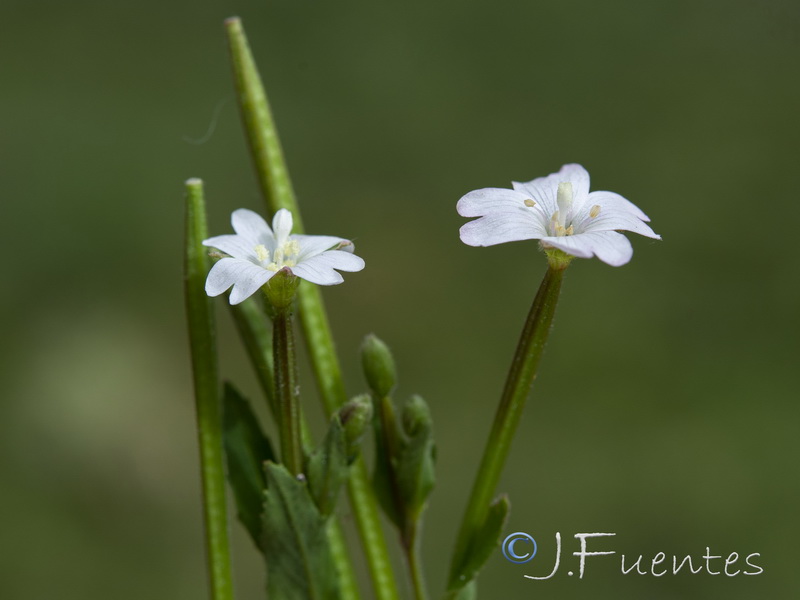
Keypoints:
pixel 378 365
pixel 356 417
pixel 416 416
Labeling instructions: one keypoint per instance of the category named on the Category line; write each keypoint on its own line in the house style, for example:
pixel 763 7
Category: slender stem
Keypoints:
pixel 286 395
pixel 277 190
pixel 515 393
pixel 411 549
pixel 207 395
pixel 251 323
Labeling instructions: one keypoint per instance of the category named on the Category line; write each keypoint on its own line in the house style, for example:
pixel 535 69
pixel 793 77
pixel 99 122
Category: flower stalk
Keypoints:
pixel 286 388
pixel 207 395
pixel 509 411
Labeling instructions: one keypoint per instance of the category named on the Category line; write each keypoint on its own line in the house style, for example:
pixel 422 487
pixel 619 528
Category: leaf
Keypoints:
pixel 246 451
pixel 327 468
pixel 415 466
pixel 299 561
pixel 484 542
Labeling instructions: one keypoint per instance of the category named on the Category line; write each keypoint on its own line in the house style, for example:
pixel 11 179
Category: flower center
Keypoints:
pixel 285 255
pixel 562 216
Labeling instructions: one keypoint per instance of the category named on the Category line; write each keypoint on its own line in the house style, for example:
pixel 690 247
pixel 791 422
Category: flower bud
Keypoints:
pixel 355 417
pixel 378 365
pixel 416 416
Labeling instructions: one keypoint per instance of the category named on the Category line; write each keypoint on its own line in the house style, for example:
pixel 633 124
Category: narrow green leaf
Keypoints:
pixel 485 541
pixel 300 565
pixel 415 468
pixel 202 342
pixel 387 451
pixel 327 470
pixel 246 451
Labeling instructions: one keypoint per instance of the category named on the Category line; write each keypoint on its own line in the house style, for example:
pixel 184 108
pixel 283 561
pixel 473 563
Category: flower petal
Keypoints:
pixel 318 273
pixel 503 226
pixel 282 225
pixel 251 226
pixel 617 201
pixel 486 201
pixel 340 259
pixel 577 176
pixel 609 246
pixel 312 245
pixel 235 245
pixel 244 276
pixel 611 218
pixel 545 189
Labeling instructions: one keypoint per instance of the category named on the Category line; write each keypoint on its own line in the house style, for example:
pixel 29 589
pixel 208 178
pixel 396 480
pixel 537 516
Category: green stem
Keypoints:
pixel 286 396
pixel 207 395
pixel 411 548
pixel 515 393
pixel 251 323
pixel 277 189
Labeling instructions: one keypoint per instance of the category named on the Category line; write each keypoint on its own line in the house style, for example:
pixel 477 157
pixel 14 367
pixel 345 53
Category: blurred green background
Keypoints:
pixel 664 409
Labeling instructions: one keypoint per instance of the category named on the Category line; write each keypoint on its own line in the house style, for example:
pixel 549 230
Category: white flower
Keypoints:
pixel 256 253
pixel 560 212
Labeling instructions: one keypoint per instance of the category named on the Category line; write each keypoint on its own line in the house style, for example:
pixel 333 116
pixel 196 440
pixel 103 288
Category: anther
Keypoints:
pixel 530 203
pixel 595 211
pixel 261 252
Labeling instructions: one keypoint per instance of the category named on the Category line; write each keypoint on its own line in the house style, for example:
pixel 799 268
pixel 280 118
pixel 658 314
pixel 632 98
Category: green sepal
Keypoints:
pixel 281 290
pixel 299 561
pixel 483 544
pixel 415 466
pixel 246 450
pixel 326 468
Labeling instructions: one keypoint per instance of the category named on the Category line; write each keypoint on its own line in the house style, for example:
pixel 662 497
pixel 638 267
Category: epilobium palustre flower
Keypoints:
pixel 256 253
pixel 560 212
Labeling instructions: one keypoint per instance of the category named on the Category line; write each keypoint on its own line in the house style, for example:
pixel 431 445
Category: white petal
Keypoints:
pixel 282 225
pixel 542 191
pixel 479 203
pixel 578 177
pixel 545 189
pixel 503 226
pixel 235 245
pixel 339 259
pixel 611 218
pixel 251 226
pixel 616 201
pixel 244 276
pixel 317 272
pixel 312 245
pixel 609 246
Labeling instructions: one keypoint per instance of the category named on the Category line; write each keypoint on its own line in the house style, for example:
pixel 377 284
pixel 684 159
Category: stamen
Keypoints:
pixel 595 211
pixel 291 248
pixel 261 252
pixel 569 230
pixel 530 203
